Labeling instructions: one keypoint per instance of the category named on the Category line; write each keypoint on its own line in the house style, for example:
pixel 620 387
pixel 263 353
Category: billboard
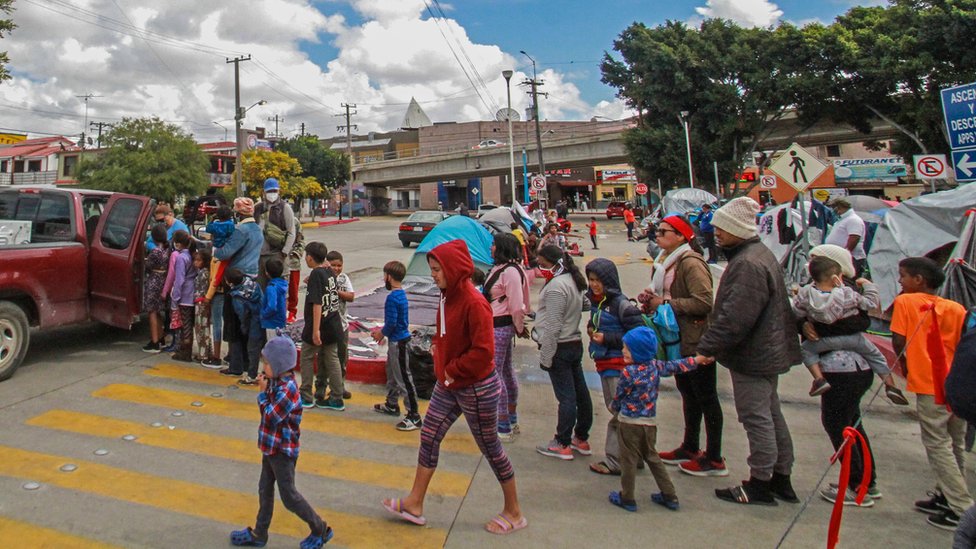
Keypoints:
pixel 869 170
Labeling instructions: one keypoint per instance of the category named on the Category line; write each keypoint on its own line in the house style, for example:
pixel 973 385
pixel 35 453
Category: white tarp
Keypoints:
pixel 685 200
pixel 917 227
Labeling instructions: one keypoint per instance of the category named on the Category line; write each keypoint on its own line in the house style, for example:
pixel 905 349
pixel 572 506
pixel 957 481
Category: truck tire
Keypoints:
pixel 14 338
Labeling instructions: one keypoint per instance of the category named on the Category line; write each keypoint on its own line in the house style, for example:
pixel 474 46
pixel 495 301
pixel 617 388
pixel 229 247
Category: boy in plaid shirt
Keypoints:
pixel 281 414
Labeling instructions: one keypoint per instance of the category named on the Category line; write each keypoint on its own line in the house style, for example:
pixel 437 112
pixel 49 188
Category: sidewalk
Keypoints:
pixel 309 222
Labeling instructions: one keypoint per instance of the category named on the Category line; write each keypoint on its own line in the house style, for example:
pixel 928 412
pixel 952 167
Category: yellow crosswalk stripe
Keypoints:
pixel 216 504
pixel 334 423
pixel 359 470
pixel 212 377
pixel 25 535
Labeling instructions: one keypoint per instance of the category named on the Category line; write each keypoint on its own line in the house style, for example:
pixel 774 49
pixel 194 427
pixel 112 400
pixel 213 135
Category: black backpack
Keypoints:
pixel 486 289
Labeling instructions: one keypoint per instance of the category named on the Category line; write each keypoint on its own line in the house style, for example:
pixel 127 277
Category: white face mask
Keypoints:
pixel 271 197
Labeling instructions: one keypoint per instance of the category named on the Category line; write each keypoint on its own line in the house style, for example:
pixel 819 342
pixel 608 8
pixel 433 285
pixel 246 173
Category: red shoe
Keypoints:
pixel 704 467
pixel 678 455
pixel 291 318
pixel 556 450
pixel 581 446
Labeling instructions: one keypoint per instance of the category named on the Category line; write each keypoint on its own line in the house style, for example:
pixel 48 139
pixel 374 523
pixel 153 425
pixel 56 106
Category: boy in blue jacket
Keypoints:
pixel 274 306
pixel 636 407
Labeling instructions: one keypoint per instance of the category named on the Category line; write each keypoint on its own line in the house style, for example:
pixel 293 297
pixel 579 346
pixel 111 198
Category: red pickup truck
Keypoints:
pixel 67 256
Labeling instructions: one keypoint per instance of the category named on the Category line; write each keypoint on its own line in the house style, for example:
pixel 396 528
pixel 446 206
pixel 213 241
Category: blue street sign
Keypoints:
pixel 959 108
pixel 965 164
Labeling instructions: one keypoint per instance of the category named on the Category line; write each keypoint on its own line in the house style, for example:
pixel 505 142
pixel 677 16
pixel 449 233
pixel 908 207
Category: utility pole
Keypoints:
pixel 85 98
pixel 276 119
pixel 100 125
pixel 303 129
pixel 238 125
pixel 543 195
pixel 348 127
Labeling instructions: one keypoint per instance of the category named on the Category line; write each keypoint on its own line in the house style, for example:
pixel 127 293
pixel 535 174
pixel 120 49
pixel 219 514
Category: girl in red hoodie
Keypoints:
pixel 467 383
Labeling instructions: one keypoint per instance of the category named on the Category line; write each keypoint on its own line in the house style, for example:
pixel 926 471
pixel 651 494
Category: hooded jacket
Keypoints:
pixel 464 342
pixel 637 390
pixel 246 300
pixel 611 314
pixel 274 304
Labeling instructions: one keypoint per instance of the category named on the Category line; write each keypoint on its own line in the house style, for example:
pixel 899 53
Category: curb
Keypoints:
pixel 316 224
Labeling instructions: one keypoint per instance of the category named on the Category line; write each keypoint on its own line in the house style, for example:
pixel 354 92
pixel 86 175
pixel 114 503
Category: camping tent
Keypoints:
pixel 456 227
pixel 960 284
pixel 917 227
pixel 499 220
pixel 685 200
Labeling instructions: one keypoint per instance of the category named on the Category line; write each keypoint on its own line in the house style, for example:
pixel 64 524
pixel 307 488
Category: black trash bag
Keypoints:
pixel 422 361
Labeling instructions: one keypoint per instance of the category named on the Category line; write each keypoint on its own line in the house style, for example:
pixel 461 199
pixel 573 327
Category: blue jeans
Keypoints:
pixel 575 407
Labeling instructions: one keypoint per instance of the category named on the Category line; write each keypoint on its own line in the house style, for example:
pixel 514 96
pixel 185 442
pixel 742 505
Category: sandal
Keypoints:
pixel 505 525
pixel 395 506
pixel 246 538
pixel 739 494
pixel 616 500
pixel 315 541
pixel 601 468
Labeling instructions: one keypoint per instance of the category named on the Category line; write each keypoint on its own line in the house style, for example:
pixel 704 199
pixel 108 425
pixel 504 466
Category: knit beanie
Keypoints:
pixel 838 254
pixel 738 217
pixel 244 206
pixel 281 354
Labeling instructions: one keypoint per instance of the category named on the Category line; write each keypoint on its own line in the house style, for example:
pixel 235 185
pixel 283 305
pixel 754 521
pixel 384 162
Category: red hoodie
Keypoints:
pixel 465 336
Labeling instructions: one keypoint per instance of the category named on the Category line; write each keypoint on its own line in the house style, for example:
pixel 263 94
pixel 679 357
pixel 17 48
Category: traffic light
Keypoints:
pixel 746 177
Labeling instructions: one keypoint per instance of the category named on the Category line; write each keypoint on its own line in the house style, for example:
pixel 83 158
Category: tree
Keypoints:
pixel 328 167
pixel 260 165
pixel 150 157
pixel 6 26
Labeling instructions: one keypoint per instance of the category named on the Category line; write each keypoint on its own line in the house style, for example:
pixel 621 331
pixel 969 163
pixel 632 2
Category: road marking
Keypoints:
pixel 355 470
pixel 17 532
pixel 333 423
pixel 212 377
pixel 216 504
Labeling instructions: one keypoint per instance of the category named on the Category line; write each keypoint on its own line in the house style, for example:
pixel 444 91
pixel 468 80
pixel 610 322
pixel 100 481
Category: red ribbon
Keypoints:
pixel 937 354
pixel 851 435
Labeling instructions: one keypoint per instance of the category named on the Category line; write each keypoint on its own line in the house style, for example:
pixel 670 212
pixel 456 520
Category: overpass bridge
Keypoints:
pixel 575 152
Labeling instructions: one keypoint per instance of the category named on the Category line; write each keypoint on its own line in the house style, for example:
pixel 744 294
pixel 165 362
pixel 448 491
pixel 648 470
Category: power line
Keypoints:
pixel 464 52
pixel 456 58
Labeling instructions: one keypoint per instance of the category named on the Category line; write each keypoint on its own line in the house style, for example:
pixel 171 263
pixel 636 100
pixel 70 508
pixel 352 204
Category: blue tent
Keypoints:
pixel 456 227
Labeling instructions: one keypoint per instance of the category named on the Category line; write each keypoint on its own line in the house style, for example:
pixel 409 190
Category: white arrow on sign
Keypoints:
pixel 966 166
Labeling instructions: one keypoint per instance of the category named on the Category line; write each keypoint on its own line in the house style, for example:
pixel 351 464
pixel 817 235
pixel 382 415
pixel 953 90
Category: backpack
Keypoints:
pixel 960 384
pixel 486 289
pixel 665 327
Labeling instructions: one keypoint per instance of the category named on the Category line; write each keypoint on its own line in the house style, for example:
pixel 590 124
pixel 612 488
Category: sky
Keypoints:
pixel 136 58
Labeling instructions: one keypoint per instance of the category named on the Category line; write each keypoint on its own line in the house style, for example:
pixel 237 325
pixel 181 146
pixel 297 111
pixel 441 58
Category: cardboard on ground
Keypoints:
pixel 798 167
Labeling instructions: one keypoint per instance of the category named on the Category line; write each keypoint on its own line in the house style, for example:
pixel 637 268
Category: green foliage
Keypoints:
pixel 259 165
pixel 149 157
pixel 6 26
pixel 329 168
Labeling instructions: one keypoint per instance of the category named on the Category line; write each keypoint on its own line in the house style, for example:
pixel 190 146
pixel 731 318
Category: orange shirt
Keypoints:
pixel 592 227
pixel 628 216
pixel 906 316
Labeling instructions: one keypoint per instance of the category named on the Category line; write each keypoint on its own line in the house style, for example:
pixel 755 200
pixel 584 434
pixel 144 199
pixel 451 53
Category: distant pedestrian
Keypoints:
pixel 584 206
pixel 396 329
pixel 278 440
pixel 182 294
pixel 629 221
pixel 708 233
pixel 592 227
pixel 753 334
pixel 848 232
pixel 321 334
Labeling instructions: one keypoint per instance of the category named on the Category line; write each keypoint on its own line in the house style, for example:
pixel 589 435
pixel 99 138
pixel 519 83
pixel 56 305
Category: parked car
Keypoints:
pixel 488 143
pixel 416 227
pixel 76 255
pixel 484 208
pixel 615 209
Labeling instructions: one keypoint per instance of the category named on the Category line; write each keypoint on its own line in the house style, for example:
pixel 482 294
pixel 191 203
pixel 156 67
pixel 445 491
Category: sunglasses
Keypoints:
pixel 662 232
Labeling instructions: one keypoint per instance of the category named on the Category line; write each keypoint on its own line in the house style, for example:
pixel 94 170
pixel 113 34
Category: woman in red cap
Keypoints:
pixel 681 277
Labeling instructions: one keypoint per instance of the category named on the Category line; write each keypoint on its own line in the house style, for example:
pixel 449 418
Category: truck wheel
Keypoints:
pixel 14 338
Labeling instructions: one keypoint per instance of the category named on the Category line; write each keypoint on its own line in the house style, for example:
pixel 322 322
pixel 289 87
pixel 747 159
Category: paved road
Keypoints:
pixel 189 476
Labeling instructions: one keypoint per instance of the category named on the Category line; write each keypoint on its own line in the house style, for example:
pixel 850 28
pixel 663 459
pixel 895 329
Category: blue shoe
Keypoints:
pixel 660 499
pixel 246 538
pixel 307 403
pixel 316 542
pixel 626 505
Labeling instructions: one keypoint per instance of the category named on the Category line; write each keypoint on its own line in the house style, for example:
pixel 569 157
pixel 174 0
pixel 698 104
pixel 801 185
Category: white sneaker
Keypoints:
pixel 850 498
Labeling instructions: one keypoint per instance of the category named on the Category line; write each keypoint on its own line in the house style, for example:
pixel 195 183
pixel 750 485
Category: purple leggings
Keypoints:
pixel 504 336
pixel 479 404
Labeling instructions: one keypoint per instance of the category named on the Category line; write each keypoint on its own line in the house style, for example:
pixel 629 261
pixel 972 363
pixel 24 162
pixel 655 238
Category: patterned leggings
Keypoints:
pixel 479 404
pixel 504 336
pixel 202 343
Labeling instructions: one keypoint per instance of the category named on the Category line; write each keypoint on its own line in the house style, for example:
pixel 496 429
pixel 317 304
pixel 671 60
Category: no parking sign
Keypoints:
pixel 767 182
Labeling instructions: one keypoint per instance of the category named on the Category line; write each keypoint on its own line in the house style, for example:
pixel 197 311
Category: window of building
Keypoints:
pixel 18 166
pixel 4 164
pixel 34 166
pixel 70 166
pixel 833 150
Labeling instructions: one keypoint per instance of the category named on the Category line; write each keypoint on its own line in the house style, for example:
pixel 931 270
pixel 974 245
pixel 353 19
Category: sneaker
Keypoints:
pixel 409 424
pixel 556 450
pixel 506 437
pixel 581 446
pixel 308 403
pixel 704 467
pixel 171 348
pixel 895 395
pixel 151 347
pixel 819 387
pixel 385 408
pixel 228 372
pixel 291 318
pixel 212 363
pixel 330 403
pixel 946 520
pixel 830 494
pixel 873 491
pixel 679 455
pixel 247 380
pixel 935 505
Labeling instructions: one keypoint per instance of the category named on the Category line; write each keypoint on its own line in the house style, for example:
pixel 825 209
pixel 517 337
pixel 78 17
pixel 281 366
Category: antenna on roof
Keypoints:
pixel 86 98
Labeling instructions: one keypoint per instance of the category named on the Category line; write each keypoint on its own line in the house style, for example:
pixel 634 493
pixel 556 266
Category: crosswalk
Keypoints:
pixel 198 463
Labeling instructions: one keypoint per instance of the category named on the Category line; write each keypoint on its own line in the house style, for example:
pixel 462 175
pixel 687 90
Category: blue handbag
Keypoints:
pixel 669 335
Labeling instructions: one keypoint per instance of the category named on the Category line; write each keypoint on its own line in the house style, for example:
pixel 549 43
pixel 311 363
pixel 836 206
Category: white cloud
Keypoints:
pixel 753 13
pixel 170 62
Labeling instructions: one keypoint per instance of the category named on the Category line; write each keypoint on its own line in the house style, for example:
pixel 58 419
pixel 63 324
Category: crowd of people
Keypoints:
pixel 678 326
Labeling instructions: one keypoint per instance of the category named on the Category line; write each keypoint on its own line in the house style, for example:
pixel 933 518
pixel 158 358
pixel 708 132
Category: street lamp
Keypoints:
pixel 544 195
pixel 239 126
pixel 683 118
pixel 222 126
pixel 507 74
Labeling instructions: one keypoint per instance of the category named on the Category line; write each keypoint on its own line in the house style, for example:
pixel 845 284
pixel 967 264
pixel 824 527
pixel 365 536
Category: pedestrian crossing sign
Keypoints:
pixel 798 167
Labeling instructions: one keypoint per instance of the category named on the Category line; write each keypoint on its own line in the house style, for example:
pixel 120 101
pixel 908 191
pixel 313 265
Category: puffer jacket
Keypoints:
pixel 691 299
pixel 611 314
pixel 752 329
